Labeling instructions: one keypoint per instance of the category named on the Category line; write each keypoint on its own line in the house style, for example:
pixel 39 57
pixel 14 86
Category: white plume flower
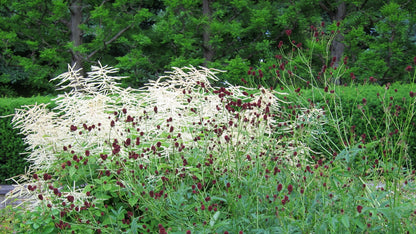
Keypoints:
pixel 97 118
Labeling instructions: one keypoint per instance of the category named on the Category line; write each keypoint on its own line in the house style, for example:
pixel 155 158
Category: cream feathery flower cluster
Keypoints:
pixel 97 115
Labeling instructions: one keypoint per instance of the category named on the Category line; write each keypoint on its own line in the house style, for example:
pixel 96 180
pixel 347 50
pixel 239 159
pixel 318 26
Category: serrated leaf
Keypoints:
pixel 387 212
pixel 35 225
pixel 359 223
pixel 349 154
pixel 214 218
pixel 218 198
pixel 133 200
pixel 334 222
pixel 49 229
pixel 134 226
pixel 103 197
pixel 345 220
pixel 72 171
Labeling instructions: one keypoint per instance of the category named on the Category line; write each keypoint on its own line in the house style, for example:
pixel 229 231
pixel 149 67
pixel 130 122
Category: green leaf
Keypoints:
pixel 50 229
pixel 35 225
pixel 108 187
pixel 387 212
pixel 214 218
pixel 349 154
pixel 194 172
pixel 218 198
pixel 134 226
pixel 358 222
pixel 323 228
pixel 334 222
pixel 72 171
pixel 142 39
pixel 119 213
pixel 133 200
pixel 345 220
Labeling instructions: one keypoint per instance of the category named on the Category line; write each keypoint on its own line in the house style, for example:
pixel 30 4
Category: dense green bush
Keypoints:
pixel 379 121
pixel 12 163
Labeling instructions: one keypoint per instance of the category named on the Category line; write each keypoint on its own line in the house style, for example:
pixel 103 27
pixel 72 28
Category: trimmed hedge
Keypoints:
pixel 12 162
pixel 352 100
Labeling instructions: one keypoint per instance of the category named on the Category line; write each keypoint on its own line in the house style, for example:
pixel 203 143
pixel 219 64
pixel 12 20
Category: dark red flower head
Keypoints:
pixel 70 198
pixel 162 230
pixel 290 188
pixel 359 208
pixel 364 101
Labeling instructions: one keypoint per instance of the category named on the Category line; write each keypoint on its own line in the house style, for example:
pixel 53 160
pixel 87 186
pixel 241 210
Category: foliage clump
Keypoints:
pixel 106 150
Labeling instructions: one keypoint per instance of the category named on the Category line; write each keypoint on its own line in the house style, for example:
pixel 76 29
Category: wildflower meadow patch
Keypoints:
pixel 183 156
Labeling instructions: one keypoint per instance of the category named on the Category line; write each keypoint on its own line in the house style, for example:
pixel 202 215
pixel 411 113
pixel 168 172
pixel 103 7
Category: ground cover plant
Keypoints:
pixel 182 156
pixel 7 219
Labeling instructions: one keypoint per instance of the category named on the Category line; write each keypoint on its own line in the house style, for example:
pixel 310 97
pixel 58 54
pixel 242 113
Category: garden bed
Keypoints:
pixel 213 160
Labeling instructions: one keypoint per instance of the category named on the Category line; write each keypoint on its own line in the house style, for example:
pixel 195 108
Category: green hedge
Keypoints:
pixel 12 162
pixel 352 97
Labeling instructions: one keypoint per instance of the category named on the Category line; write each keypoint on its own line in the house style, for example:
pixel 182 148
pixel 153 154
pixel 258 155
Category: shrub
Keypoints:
pixel 103 134
pixel 373 123
pixel 12 147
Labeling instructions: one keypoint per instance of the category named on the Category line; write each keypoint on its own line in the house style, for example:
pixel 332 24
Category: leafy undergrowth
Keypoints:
pixel 7 219
pixel 181 156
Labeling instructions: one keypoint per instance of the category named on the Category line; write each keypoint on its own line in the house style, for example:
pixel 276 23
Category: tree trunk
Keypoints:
pixel 337 47
pixel 338 14
pixel 208 49
pixel 76 32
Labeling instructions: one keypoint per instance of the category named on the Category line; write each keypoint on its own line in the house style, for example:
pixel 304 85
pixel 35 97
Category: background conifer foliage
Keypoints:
pixel 145 38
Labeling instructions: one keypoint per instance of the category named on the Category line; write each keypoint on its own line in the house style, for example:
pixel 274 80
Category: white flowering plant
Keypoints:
pixel 105 149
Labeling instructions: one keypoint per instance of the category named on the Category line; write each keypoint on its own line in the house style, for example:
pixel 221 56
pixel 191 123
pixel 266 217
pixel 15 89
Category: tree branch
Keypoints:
pixel 110 41
pixel 103 2
pixel 327 9
pixel 363 4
